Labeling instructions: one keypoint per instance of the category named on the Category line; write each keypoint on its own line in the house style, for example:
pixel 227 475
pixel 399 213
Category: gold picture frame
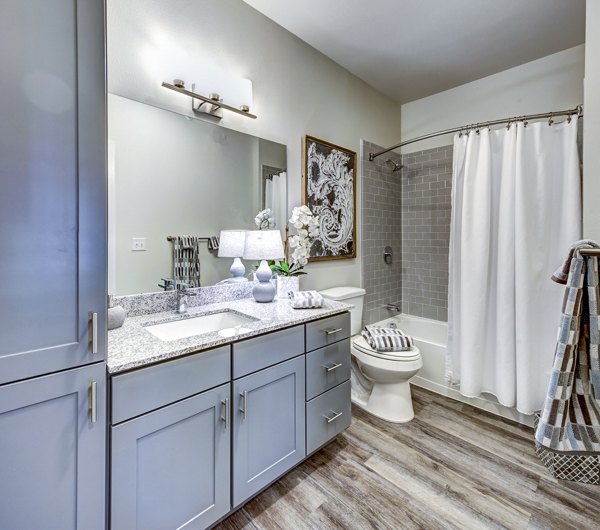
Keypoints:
pixel 328 195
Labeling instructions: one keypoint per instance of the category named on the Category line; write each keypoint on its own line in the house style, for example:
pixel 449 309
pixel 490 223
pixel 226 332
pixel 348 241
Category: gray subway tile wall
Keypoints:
pixel 381 226
pixel 426 210
pixel 410 211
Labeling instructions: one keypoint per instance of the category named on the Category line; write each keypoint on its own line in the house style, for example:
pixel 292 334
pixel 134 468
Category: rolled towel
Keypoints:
pixel 305 299
pixel 387 339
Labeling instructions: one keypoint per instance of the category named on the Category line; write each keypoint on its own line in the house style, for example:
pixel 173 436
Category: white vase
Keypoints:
pixel 285 284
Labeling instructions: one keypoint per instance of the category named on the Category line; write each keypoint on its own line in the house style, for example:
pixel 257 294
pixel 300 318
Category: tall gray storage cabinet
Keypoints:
pixel 52 264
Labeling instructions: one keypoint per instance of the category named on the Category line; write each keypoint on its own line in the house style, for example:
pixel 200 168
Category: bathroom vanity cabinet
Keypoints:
pixel 194 438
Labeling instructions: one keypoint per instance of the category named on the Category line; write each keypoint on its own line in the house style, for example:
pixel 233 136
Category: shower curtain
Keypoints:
pixel 516 209
pixel 276 199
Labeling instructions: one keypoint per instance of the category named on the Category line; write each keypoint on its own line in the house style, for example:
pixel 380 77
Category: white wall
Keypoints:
pixel 554 82
pixel 591 123
pixel 297 90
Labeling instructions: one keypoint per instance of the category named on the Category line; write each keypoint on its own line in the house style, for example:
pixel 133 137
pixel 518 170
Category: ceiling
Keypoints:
pixel 409 49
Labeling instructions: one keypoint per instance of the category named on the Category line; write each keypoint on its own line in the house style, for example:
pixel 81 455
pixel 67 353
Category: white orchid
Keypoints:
pixel 307 228
pixel 264 219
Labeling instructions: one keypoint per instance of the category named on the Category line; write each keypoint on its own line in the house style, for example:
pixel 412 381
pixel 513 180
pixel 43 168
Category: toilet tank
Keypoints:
pixel 349 295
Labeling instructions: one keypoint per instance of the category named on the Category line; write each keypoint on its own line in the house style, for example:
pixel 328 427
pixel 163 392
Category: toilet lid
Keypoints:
pixel 409 355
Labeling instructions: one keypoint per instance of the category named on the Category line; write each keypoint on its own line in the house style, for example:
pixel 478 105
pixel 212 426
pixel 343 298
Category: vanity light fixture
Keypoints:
pixel 211 105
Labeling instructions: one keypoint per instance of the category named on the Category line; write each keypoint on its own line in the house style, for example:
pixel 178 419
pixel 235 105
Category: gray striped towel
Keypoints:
pixel 305 299
pixel 570 419
pixel 186 260
pixel 387 339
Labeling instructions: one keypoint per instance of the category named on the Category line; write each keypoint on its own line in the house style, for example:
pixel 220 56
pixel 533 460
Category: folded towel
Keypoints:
pixel 305 299
pixel 387 339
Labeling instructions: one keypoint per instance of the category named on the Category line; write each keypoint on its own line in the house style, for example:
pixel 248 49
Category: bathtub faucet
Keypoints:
pixel 393 307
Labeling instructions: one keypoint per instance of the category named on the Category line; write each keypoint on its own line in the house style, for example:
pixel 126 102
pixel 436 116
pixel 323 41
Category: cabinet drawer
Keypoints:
pixel 327 331
pixel 327 367
pixel 150 388
pixel 255 354
pixel 327 415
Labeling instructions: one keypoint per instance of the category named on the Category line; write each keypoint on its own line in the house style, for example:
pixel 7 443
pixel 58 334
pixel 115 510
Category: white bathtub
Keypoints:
pixel 431 337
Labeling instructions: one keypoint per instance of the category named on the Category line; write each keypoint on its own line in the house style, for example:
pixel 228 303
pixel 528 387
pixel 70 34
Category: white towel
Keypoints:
pixel 305 299
pixel 387 339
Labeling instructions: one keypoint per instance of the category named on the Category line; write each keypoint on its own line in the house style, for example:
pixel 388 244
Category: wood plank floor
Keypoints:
pixel 453 466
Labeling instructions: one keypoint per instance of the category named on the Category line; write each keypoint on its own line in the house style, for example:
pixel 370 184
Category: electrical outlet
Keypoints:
pixel 138 243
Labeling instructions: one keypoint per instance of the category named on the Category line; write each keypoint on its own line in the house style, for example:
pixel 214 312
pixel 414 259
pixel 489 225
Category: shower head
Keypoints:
pixel 396 166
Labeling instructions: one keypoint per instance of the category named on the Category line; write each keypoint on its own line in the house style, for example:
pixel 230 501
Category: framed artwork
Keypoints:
pixel 329 182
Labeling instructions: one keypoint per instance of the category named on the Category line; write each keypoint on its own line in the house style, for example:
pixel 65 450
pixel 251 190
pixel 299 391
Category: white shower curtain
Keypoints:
pixel 276 199
pixel 516 209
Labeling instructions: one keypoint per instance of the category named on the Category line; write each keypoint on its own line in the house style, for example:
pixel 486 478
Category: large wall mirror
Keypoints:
pixel 170 175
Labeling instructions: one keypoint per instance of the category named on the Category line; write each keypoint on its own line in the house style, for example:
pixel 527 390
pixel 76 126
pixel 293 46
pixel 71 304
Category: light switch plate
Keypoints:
pixel 138 243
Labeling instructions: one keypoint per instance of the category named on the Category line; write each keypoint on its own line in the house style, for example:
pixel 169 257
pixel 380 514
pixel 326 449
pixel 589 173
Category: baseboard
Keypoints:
pixel 478 402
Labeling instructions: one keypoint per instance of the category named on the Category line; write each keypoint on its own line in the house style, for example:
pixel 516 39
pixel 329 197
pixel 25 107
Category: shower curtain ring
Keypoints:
pixel 550 120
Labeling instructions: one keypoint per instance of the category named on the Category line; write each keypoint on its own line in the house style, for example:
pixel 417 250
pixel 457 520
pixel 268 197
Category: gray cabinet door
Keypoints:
pixel 52 457
pixel 52 170
pixel 268 426
pixel 171 467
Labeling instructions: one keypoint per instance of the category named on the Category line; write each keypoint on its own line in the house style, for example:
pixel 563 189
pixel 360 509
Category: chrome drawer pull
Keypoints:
pixel 333 331
pixel 93 401
pixel 244 408
pixel 93 331
pixel 333 367
pixel 335 416
pixel 225 415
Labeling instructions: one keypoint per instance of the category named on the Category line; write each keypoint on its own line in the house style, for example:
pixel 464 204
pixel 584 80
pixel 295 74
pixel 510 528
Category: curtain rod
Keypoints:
pixel 577 110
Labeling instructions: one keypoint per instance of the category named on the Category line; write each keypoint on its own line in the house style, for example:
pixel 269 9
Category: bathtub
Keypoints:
pixel 431 337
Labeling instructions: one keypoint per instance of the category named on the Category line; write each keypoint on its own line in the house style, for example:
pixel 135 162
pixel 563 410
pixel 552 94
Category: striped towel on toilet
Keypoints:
pixel 387 339
pixel 305 299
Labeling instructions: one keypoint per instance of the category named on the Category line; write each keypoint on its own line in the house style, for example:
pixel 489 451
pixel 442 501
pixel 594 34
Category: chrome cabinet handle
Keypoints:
pixel 332 331
pixel 93 331
pixel 93 401
pixel 333 367
pixel 225 415
pixel 244 408
pixel 335 416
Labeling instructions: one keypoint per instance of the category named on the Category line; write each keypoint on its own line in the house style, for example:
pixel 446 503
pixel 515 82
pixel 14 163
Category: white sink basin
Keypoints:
pixel 188 327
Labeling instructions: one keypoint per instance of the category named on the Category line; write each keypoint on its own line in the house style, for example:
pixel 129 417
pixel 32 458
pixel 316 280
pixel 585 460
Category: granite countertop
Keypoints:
pixel 132 346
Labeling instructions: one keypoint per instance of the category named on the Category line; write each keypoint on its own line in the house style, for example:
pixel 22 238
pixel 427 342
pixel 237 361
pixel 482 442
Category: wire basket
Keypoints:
pixel 579 468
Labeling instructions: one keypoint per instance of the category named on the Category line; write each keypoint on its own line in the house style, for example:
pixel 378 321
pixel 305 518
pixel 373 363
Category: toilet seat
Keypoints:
pixel 362 346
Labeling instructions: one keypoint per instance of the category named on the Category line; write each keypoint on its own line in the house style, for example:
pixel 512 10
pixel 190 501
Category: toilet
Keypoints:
pixel 379 380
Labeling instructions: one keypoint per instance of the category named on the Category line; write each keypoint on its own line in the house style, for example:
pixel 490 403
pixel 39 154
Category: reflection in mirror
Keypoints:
pixel 171 176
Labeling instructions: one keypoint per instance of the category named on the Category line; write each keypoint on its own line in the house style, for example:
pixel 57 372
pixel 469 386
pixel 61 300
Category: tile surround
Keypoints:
pixel 381 225
pixel 410 211
pixel 426 209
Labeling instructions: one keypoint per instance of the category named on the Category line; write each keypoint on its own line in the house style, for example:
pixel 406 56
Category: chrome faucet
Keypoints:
pixel 182 298
pixel 393 307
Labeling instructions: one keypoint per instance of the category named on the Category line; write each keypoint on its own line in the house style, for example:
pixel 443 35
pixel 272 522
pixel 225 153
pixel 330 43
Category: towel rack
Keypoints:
pixel 589 251
pixel 171 238
pixel 213 242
